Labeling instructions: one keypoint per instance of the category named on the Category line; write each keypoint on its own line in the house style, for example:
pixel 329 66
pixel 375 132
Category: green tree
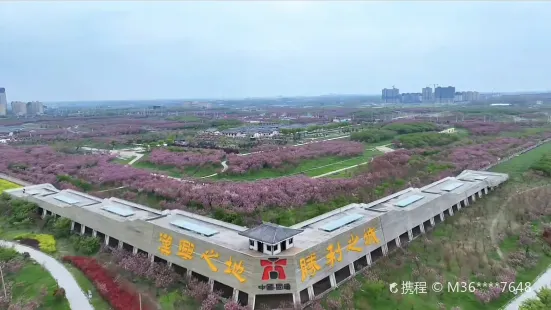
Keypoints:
pixel 541 302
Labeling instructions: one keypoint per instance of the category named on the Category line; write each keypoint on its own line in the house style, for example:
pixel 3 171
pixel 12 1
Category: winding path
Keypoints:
pixel 76 297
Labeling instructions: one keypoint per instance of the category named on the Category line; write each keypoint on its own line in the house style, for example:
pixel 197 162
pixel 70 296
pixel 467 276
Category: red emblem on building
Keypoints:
pixel 273 269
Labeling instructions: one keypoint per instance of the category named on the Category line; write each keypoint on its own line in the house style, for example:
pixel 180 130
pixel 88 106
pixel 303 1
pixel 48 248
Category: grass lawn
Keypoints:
pixel 97 301
pixel 28 283
pixel 63 248
pixel 458 249
pixel 173 171
pixel 518 165
pixel 311 167
pixel 4 185
pixel 123 161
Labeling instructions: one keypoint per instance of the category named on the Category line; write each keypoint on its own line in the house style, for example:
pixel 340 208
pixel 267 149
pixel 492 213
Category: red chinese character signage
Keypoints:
pixel 273 269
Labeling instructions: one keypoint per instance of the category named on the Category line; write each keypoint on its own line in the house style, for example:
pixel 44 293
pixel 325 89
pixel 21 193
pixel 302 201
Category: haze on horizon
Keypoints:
pixel 63 51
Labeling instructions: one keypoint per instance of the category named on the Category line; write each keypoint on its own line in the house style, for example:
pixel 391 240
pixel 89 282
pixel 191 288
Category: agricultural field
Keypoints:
pixel 497 239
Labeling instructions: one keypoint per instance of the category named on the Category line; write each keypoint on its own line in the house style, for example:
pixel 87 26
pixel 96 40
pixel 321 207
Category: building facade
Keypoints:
pixel 471 96
pixel 427 94
pixel 267 264
pixel 390 95
pixel 35 108
pixel 444 94
pixel 19 108
pixel 411 97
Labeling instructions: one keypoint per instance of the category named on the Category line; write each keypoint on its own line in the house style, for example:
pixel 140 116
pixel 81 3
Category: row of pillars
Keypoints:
pixel 188 275
pixel 310 289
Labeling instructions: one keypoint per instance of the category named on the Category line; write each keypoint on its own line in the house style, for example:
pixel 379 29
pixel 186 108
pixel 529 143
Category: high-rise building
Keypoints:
pixel 471 96
pixel 3 102
pixel 19 108
pixel 35 108
pixel 411 97
pixel 427 94
pixel 391 95
pixel 444 94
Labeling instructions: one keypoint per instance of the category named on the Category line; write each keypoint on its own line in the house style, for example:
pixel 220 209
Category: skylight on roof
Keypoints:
pixel 198 229
pixel 336 224
pixel 124 212
pixel 452 186
pixel 66 199
pixel 480 177
pixel 409 200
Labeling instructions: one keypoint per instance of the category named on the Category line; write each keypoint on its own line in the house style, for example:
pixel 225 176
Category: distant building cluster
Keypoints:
pixel 196 104
pixel 440 95
pixel 19 108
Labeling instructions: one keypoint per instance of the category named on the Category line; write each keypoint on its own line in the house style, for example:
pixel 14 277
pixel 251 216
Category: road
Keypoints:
pixel 76 297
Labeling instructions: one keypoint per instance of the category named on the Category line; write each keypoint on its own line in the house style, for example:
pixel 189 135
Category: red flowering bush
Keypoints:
pixel 118 297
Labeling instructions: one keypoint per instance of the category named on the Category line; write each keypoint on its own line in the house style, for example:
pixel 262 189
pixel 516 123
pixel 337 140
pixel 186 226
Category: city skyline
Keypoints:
pixel 85 51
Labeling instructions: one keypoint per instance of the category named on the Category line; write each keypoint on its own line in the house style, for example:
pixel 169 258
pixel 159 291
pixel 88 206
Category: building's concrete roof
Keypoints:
pixel 306 234
pixel 270 233
pixel 71 198
pixel 131 211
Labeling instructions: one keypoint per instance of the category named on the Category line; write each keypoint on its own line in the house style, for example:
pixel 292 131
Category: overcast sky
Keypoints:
pixel 57 51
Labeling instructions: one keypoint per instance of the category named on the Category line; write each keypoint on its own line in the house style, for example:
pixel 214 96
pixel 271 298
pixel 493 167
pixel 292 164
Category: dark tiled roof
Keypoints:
pixel 270 233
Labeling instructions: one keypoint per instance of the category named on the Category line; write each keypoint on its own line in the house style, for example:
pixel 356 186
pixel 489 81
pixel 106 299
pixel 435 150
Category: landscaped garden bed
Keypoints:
pixel 46 243
pixel 119 297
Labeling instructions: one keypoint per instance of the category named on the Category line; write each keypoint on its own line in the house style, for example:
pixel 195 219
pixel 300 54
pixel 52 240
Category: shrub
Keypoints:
pixel 543 165
pixel 373 135
pixel 61 227
pixel 46 243
pixel 403 128
pixel 7 254
pixel 86 245
pixel 426 139
pixel 59 293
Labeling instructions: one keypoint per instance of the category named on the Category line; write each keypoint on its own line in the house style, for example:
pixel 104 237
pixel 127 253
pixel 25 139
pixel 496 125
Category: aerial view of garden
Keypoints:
pixel 301 174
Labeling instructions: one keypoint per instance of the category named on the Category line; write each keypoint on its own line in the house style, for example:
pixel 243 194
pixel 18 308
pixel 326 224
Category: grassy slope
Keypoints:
pixel 28 283
pixel 175 172
pixel 311 167
pixel 4 185
pixel 460 235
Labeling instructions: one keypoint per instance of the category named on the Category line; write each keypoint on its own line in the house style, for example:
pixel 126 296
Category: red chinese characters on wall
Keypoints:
pixel 273 269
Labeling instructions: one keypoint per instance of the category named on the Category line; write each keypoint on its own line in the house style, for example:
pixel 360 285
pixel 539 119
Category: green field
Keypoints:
pixel 311 167
pixel 30 281
pixel 173 171
pixel 4 185
pixel 518 165
pixel 458 249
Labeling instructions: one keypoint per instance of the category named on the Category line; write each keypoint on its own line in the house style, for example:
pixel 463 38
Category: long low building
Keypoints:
pixel 267 264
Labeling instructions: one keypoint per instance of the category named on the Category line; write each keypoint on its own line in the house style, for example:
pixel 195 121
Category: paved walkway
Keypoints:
pixel 65 279
pixel 542 281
